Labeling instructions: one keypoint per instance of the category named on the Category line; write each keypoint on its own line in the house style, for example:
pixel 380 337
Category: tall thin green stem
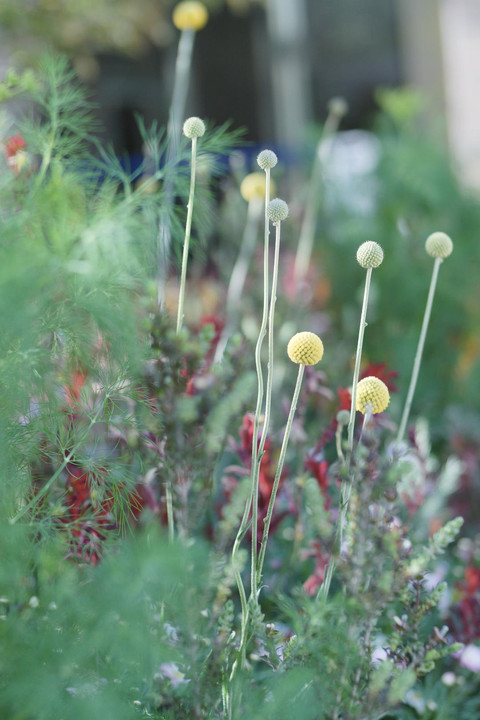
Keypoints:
pixel 358 358
pixel 348 479
pixel 266 421
pixel 248 505
pixel 188 229
pixel 419 353
pixel 278 474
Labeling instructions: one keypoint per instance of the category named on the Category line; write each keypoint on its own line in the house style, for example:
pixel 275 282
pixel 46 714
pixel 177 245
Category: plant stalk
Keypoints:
pixel 278 474
pixel 248 505
pixel 188 229
pixel 418 355
pixel 358 358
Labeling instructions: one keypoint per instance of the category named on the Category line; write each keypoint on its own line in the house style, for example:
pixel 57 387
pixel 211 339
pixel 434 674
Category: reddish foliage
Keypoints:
pixel 266 475
pixel 380 371
pixel 465 617
pixel 314 581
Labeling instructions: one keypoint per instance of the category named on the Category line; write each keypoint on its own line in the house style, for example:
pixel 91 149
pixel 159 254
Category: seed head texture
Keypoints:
pixel 193 127
pixel 371 391
pixel 277 210
pixel 305 348
pixel 439 245
pixel 267 159
pixel 370 254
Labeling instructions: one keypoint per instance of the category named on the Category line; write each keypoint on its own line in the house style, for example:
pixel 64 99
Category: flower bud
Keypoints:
pixel 193 127
pixel 370 254
pixel 277 210
pixel 439 245
pixel 267 159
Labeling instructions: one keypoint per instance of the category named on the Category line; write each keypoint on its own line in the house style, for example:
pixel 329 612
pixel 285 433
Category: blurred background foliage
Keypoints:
pixel 89 26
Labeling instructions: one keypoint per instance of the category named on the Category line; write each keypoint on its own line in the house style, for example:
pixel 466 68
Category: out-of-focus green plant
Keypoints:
pixel 415 191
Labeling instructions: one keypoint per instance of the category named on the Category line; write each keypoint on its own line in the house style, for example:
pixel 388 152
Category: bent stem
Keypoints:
pixel 278 474
pixel 266 421
pixel 418 355
pixel 188 229
pixel 252 494
pixel 239 274
pixel 358 357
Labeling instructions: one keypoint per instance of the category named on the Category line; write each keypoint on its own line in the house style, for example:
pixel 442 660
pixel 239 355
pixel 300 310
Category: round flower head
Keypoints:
pixel 193 127
pixel 372 394
pixel 305 348
pixel 439 245
pixel 190 16
pixel 338 106
pixel 277 210
pixel 253 186
pixel 267 159
pixel 370 254
pixel 343 416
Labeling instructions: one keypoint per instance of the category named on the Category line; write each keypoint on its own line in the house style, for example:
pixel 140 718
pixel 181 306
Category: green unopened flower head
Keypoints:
pixel 439 245
pixel 305 348
pixel 193 127
pixel 343 416
pixel 370 254
pixel 267 159
pixel 372 395
pixel 277 210
pixel 190 15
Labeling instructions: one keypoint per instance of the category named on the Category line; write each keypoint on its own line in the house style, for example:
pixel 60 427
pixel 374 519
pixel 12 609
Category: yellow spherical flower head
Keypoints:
pixel 305 348
pixel 190 15
pixel 372 394
pixel 370 254
pixel 439 245
pixel 254 185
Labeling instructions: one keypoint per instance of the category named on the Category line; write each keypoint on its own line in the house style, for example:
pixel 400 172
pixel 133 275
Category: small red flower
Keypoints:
pixel 13 145
pixel 380 371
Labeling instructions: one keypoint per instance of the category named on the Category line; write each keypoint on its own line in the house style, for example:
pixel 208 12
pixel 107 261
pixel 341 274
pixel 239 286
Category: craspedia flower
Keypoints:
pixel 439 245
pixel 372 394
pixel 267 159
pixel 370 254
pixel 193 127
pixel 343 416
pixel 277 210
pixel 305 348
pixel 254 186
pixel 190 16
